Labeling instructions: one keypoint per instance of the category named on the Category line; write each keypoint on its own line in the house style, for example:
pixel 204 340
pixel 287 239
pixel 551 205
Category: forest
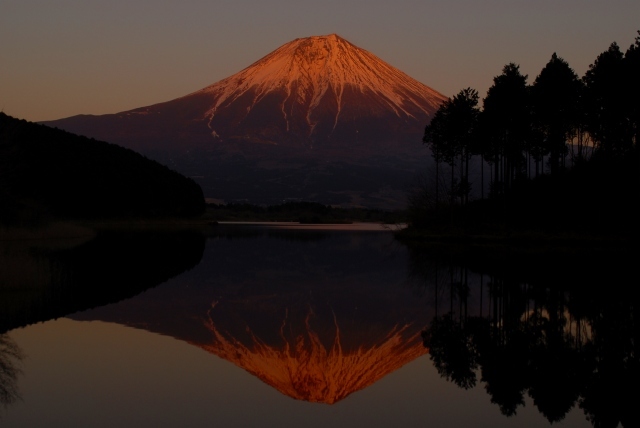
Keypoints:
pixel 560 154
pixel 48 174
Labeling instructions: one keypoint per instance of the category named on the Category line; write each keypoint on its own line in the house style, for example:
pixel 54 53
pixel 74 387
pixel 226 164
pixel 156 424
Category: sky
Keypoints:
pixel 59 58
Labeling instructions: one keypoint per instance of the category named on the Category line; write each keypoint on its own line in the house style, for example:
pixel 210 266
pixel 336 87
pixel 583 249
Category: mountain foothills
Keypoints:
pixel 48 173
pixel 317 119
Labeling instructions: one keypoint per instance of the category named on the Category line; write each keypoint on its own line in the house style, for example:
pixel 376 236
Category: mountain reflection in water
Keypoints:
pixel 316 315
pixel 319 315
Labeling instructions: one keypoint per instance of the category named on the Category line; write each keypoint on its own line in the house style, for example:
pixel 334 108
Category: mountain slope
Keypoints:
pixel 313 99
pixel 318 89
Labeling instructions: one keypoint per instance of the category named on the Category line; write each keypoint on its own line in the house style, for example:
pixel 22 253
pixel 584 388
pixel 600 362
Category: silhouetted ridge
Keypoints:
pixel 49 172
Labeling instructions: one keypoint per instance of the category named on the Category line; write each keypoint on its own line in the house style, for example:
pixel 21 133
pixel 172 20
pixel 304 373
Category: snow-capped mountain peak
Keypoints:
pixel 320 101
pixel 318 75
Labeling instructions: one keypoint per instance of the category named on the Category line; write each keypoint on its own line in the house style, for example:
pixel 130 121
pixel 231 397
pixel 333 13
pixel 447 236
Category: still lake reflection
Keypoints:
pixel 296 327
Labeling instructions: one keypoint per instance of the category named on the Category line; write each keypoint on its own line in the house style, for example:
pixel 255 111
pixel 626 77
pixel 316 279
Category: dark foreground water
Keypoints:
pixel 256 326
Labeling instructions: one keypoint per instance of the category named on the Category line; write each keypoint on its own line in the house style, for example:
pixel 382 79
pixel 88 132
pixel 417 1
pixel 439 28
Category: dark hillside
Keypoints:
pixel 49 173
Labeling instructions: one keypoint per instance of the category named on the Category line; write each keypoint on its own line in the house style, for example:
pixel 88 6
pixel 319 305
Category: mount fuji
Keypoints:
pixel 318 119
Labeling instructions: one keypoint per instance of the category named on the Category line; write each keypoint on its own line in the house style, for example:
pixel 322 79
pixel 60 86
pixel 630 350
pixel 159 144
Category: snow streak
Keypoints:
pixel 314 68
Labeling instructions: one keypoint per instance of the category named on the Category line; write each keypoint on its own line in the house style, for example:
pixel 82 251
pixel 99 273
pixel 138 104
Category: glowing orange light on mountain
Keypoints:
pixel 303 368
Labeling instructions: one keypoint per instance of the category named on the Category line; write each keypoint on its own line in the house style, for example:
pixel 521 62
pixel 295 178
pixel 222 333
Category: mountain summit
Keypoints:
pixel 318 89
pixel 318 99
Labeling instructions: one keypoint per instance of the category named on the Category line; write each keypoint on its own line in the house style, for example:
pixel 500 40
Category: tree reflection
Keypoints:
pixel 42 283
pixel 452 350
pixel 562 346
pixel 10 358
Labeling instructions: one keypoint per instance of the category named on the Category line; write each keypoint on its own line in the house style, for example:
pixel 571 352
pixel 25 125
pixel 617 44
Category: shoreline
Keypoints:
pixel 521 240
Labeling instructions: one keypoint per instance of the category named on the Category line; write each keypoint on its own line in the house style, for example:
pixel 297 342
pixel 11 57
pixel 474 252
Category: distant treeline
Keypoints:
pixel 300 211
pixel 48 173
pixel 580 133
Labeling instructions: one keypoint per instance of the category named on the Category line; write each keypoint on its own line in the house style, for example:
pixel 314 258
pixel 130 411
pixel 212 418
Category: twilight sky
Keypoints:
pixel 60 58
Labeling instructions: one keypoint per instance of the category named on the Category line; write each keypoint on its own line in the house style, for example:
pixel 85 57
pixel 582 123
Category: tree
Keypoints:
pixel 449 135
pixel 484 146
pixel 435 136
pixel 632 77
pixel 606 116
pixel 464 118
pixel 555 97
pixel 452 350
pixel 506 120
pixel 10 358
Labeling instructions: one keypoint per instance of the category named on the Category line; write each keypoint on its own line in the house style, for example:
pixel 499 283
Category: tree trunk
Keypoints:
pixel 466 180
pixel 496 178
pixel 451 288
pixel 436 291
pixel 482 177
pixel 452 181
pixel 481 290
pixel 437 181
pixel 461 189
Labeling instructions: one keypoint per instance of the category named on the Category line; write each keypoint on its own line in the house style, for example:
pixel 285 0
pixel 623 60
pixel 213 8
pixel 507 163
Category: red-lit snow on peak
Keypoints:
pixel 322 88
pixel 315 92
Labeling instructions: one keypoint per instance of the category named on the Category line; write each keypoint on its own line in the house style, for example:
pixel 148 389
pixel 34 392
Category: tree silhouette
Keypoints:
pixel 504 369
pixel 436 138
pixel 450 134
pixel 557 367
pixel 555 98
pixel 452 350
pixel 596 120
pixel 507 123
pixel 632 71
pixel 606 118
pixel 10 357
pixel 464 117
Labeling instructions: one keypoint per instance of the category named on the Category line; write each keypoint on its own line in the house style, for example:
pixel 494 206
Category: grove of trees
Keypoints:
pixel 558 124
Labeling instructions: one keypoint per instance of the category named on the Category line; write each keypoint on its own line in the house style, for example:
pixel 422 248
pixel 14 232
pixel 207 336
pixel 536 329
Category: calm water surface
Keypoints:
pixel 256 326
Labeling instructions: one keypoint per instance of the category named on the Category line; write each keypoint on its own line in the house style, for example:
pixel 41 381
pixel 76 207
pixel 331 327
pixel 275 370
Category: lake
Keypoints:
pixel 252 325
